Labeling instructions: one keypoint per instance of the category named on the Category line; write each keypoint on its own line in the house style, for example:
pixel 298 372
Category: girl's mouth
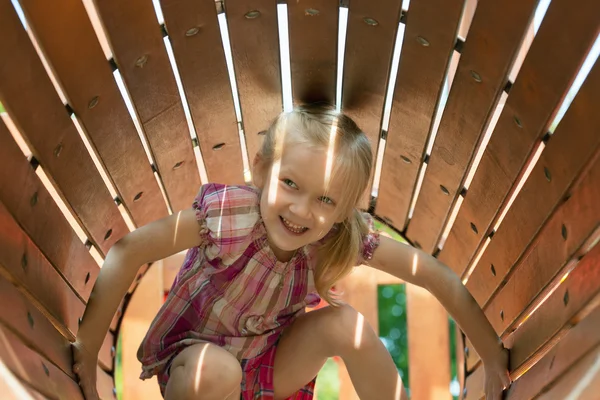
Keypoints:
pixel 292 228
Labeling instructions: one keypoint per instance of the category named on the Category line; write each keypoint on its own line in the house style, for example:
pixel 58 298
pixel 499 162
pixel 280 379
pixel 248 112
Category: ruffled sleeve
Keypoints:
pixel 370 240
pixel 227 216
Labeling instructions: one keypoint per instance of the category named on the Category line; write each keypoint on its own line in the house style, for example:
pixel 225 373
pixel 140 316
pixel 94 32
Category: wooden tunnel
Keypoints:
pixel 488 159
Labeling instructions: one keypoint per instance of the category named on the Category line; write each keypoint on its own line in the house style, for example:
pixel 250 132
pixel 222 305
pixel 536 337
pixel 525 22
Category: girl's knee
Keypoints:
pixel 204 371
pixel 345 329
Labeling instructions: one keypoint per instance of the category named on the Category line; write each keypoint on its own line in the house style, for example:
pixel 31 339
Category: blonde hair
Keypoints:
pixel 316 125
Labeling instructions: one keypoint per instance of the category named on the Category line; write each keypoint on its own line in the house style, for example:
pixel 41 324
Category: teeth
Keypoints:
pixel 293 227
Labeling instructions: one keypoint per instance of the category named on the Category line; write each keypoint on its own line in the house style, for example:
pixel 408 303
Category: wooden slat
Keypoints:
pixel 421 74
pixel 255 48
pixel 32 206
pixel 474 389
pixel 313 50
pixel 575 141
pixel 13 388
pixel 578 342
pixel 549 255
pixel 106 354
pixel 201 64
pixel 29 97
pixel 367 62
pixel 582 382
pixel 428 345
pixel 138 47
pixel 493 42
pixel 77 59
pixel 105 385
pixel 23 264
pixel 26 320
pixel 533 102
pixel 574 298
pixel 35 369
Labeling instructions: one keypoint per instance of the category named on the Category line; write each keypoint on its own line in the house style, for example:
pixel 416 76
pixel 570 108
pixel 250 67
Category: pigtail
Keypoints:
pixel 338 255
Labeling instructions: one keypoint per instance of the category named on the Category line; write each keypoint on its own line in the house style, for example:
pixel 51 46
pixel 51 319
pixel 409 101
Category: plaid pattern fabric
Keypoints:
pixel 231 290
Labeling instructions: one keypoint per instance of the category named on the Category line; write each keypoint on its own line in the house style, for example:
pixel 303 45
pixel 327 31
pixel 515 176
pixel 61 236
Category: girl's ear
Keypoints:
pixel 258 171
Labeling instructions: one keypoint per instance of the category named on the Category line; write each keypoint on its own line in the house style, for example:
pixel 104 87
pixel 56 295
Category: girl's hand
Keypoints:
pixel 84 366
pixel 497 377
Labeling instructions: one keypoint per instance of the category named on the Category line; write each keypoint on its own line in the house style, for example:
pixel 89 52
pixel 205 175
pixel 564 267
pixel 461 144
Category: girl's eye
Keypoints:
pixel 290 183
pixel 326 200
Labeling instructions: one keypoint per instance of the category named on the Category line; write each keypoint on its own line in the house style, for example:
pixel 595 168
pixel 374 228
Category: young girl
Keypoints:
pixel 233 325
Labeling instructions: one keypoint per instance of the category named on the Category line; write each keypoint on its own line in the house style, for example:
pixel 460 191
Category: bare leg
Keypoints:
pixel 204 372
pixel 343 332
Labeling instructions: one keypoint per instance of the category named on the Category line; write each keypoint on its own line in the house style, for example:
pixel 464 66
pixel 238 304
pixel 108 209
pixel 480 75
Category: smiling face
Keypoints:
pixel 299 203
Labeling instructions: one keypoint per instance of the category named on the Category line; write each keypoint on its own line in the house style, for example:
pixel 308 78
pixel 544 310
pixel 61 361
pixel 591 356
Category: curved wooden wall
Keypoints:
pixel 97 139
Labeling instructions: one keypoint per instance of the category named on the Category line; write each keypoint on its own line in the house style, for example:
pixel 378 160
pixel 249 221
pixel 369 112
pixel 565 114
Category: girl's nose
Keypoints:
pixel 301 209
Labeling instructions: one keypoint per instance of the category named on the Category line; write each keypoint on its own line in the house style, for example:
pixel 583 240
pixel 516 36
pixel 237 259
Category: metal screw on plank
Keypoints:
pixel 112 351
pixel 108 234
pixel 24 262
pixel 476 76
pixel 114 392
pixel 140 62
pixel 563 232
pixel 252 14
pixel 79 320
pixel 58 150
pixel 93 102
pixel 138 196
pixel 192 31
pixel 262 133
pixel 218 146
pixel 547 173
pixel 406 159
pixel 424 42
pixel 30 319
pixel 46 371
pixel 502 315
pixel 87 278
pixel 446 192
pixel 518 121
pixel 178 165
pixel 370 21
pixel 493 270
pixel 311 12
pixel 474 228
pixel 467 352
pixel 34 199
pixel 566 298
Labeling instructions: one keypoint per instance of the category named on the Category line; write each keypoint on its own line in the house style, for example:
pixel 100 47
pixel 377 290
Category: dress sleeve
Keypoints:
pixel 227 216
pixel 370 240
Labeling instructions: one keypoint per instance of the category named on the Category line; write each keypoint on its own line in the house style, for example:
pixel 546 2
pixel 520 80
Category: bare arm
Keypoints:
pixel 419 268
pixel 149 243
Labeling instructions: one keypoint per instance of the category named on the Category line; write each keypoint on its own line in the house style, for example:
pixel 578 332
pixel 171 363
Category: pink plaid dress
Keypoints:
pixel 233 292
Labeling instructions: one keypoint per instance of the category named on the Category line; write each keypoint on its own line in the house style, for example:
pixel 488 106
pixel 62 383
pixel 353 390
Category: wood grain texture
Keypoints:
pixel 73 51
pixel 22 263
pixel 428 339
pixel 194 34
pixel 582 382
pixel 561 239
pixel 370 38
pixel 255 48
pixel 36 212
pixel 573 145
pixel 35 369
pixel 534 100
pixel 28 322
pixel 105 385
pixel 313 50
pixel 421 73
pixel 569 304
pixel 578 342
pixel 493 42
pixel 51 135
pixel 140 52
